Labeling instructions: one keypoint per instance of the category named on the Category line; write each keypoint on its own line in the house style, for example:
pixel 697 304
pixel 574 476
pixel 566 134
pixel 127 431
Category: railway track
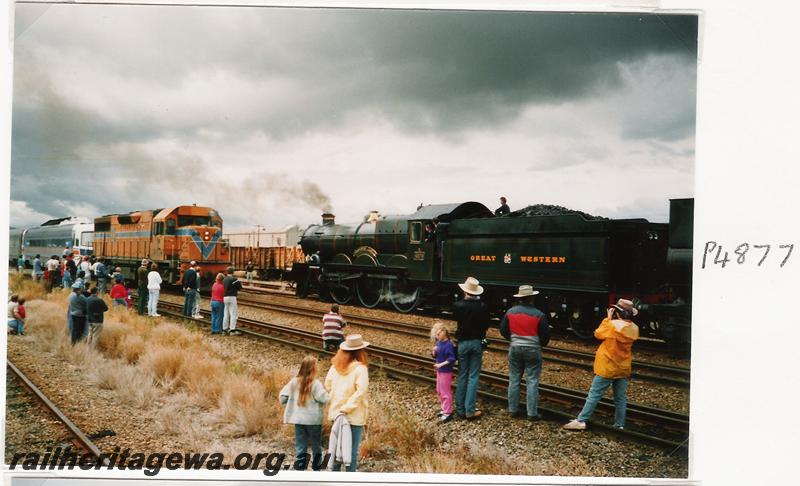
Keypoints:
pixel 273 288
pixel 655 426
pixel 671 375
pixel 81 442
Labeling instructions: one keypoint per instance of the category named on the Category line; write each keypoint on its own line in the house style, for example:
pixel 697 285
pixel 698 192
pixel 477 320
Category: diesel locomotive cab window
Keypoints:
pixel 170 226
pixel 194 221
pixel 415 235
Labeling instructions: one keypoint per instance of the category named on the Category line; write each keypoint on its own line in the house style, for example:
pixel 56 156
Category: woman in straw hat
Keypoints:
pixel 347 382
pixel 612 363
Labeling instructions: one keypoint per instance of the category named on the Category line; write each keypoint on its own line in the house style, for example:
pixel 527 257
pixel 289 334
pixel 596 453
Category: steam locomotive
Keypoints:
pixel 579 265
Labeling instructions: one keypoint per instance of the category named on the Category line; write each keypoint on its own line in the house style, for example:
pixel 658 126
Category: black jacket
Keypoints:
pixel 232 286
pixel 472 316
pixel 95 306
pixel 190 279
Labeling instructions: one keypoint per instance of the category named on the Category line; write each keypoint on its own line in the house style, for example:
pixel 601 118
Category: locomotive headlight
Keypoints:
pixel 206 233
pixel 205 237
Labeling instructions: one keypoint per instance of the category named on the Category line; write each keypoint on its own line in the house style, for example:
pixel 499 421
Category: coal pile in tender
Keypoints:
pixel 550 210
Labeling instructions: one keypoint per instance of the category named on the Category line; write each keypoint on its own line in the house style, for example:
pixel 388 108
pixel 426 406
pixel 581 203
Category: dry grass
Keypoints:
pixel 244 406
pixel 132 386
pixel 23 286
pixel 166 364
pixel 396 432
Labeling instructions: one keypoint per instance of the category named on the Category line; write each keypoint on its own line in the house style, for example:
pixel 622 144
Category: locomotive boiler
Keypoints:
pixel 580 265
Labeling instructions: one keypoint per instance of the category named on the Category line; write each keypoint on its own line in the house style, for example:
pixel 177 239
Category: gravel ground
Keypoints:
pixel 543 444
pixel 642 392
pixel 558 451
pixel 29 427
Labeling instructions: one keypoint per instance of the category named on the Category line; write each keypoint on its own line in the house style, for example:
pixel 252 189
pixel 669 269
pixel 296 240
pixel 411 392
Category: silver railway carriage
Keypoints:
pixel 50 238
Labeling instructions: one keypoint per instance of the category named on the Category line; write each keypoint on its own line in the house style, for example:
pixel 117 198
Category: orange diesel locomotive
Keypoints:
pixel 170 237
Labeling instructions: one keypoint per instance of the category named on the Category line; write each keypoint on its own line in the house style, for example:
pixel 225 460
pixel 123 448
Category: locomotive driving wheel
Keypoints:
pixel 341 293
pixel 580 320
pixel 369 291
pixel 404 295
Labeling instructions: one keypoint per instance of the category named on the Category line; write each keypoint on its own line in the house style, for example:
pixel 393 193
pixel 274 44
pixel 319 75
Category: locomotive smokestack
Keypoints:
pixel 328 219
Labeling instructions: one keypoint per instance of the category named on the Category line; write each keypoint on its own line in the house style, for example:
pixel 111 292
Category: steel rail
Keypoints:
pixel 678 376
pixel 76 432
pixel 637 413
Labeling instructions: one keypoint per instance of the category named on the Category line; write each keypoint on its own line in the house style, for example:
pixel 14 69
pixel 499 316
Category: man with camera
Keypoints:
pixel 612 363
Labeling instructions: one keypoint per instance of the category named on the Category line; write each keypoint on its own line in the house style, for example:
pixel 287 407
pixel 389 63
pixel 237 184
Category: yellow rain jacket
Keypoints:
pixel 613 357
pixel 348 393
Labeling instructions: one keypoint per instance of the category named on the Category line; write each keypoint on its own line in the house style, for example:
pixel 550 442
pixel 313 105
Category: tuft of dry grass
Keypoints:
pixel 205 379
pixel 164 363
pixel 24 286
pixel 171 335
pixel 131 348
pixel 132 386
pixel 244 406
pixel 395 432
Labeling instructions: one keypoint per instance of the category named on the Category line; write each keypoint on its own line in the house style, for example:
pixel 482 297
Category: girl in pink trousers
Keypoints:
pixel 445 355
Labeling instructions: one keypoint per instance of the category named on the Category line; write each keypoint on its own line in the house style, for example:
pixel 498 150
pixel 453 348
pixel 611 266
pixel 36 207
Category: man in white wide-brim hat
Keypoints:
pixel 472 315
pixel 527 329
pixel 612 363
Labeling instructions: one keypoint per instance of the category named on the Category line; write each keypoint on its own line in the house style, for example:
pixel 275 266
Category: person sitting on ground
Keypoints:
pixel 12 313
pixel 304 397
pixel 612 363
pixel 20 314
pixel 332 329
pixel 95 307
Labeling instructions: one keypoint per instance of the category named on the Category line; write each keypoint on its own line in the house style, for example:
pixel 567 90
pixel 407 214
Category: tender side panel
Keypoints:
pixel 577 262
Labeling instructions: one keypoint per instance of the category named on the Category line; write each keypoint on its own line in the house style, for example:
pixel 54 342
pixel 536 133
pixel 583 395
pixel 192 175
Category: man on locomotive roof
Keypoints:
pixel 503 209
pixel 527 329
pixel 612 363
pixel 472 315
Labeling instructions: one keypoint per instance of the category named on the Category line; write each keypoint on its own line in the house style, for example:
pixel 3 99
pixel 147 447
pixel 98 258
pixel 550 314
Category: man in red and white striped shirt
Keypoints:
pixel 332 325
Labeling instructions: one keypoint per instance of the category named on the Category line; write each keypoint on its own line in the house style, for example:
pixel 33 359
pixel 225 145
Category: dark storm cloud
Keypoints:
pixel 100 91
pixel 423 71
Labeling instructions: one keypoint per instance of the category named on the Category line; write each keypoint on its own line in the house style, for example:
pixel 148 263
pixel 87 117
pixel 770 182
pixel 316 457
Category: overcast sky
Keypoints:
pixel 271 115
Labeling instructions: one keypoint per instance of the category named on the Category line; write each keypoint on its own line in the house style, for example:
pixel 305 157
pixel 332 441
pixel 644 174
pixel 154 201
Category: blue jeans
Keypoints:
pixel 188 303
pixel 67 280
pixel 356 431
pixel 15 325
pixel 120 303
pixel 470 358
pixel 305 436
pixel 529 360
pixel 101 286
pixel 599 386
pixel 217 308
